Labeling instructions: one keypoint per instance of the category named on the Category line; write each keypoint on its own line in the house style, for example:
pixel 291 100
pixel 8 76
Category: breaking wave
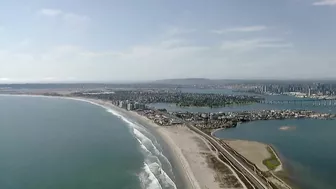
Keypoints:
pixel 152 175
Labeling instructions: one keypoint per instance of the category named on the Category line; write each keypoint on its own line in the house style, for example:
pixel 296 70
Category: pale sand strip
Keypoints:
pixel 183 162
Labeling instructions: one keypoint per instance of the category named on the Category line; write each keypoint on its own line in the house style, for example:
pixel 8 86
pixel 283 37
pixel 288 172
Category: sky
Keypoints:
pixel 132 40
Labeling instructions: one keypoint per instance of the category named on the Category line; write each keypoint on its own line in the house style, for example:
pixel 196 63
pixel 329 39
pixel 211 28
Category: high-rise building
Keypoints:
pixel 309 91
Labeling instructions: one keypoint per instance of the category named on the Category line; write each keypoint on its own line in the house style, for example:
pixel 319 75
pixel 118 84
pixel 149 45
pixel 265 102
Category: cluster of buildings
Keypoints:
pixel 306 89
pixel 148 96
pixel 160 117
pixel 137 100
pixel 129 105
pixel 230 119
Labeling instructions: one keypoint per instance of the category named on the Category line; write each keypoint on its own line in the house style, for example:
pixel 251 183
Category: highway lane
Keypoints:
pixel 251 175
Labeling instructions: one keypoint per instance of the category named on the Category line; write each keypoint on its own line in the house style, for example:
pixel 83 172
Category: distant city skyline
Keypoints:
pixel 128 41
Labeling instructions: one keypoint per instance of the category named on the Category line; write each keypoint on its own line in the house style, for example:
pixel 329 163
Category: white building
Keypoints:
pixel 129 107
pixel 121 104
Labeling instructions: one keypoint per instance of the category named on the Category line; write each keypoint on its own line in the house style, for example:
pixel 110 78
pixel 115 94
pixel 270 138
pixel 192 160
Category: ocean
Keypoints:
pixel 57 143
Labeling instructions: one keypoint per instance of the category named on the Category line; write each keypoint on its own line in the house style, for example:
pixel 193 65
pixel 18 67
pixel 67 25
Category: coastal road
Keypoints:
pixel 250 174
pixel 244 169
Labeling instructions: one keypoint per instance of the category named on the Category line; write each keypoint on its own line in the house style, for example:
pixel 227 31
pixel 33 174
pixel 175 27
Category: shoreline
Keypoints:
pixel 275 153
pixel 184 177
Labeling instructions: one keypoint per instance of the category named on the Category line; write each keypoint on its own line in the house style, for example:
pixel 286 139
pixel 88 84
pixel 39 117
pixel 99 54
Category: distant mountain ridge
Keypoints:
pixel 185 81
pixel 197 81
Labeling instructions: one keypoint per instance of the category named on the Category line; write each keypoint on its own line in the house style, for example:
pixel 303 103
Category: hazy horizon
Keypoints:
pixel 174 79
pixel 118 41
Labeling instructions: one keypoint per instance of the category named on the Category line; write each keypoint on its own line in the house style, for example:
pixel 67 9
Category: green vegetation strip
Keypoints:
pixel 272 162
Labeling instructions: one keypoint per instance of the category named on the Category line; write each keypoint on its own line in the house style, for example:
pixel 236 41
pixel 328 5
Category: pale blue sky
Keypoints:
pixel 114 40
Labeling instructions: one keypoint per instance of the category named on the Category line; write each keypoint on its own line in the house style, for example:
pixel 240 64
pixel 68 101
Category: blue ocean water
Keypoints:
pixel 56 143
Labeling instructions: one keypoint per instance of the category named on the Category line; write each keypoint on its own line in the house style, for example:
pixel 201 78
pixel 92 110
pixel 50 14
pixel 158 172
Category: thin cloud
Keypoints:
pixel 325 3
pixel 50 12
pixel 241 29
pixel 171 43
pixel 252 44
pixel 173 31
pixel 72 19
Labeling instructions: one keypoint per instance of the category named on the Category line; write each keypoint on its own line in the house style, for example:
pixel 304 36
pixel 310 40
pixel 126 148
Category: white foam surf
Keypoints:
pixel 148 179
pixel 152 175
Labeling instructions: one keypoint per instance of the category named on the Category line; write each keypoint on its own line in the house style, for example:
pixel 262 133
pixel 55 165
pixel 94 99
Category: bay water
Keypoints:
pixel 307 149
pixel 59 143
